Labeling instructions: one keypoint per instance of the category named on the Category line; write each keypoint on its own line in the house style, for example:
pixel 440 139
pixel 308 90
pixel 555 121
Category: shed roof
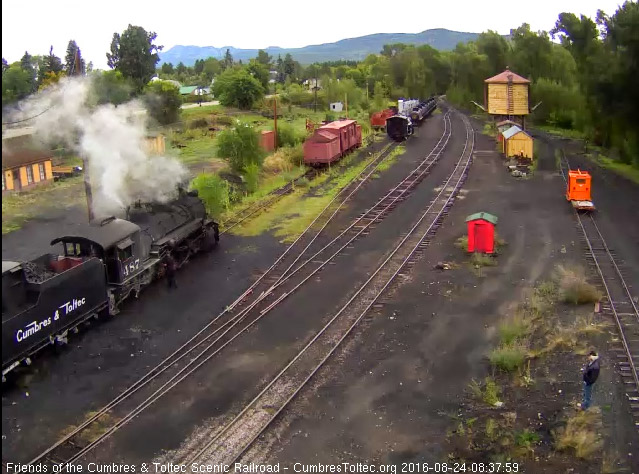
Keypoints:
pixel 506 122
pixel 184 90
pixel 514 130
pixel 505 77
pixel 16 158
pixel 105 233
pixel 483 215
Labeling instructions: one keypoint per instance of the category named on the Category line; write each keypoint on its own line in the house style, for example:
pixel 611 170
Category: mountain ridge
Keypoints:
pixel 356 48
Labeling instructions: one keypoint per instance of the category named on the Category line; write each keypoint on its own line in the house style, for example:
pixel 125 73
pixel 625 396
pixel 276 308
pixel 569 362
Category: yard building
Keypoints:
pixel 25 168
pixel 155 144
pixel 481 232
pixel 516 142
pixel 506 97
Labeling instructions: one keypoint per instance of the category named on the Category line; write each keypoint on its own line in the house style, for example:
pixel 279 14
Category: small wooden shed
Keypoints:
pixel 155 143
pixel 481 232
pixel 25 168
pixel 267 140
pixel 516 142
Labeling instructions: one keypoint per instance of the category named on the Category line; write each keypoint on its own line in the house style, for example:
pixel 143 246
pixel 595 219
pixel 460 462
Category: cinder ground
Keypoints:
pixel 389 394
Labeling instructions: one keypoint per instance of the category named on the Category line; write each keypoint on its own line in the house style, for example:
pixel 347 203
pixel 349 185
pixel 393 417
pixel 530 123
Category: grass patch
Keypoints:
pixel 509 357
pixel 623 169
pixel 462 243
pixel 561 132
pixel 392 158
pixel 293 213
pixel 490 129
pixel 573 286
pixel 98 427
pixel 580 436
pixel 482 260
pixel 513 329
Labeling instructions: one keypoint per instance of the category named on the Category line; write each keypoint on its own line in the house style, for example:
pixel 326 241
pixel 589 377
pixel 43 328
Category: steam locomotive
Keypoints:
pixel 103 263
pixel 399 127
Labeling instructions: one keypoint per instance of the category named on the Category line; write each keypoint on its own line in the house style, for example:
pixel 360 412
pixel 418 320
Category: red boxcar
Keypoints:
pixel 321 146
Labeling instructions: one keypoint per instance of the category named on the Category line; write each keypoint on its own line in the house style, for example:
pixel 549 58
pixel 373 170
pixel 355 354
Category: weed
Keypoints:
pixel 514 328
pixel 580 434
pixel 573 286
pixel 482 260
pixel 526 438
pixel 489 393
pixel 508 357
pixel 525 376
pixel 462 243
pixel 303 182
pixel 198 123
pixel 491 429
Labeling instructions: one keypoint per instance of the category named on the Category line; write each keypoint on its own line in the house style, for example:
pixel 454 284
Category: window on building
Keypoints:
pixel 41 169
pixel 3 184
pixel 29 174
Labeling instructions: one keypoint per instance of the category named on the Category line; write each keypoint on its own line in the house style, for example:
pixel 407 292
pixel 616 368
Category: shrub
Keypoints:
pixel 303 182
pixel 214 191
pixel 287 136
pixel 574 288
pixel 241 146
pixel 223 120
pixel 462 243
pixel 488 394
pixel 252 177
pixel 237 88
pixel 508 357
pixel 580 435
pixel 481 260
pixel 198 123
pixel 163 101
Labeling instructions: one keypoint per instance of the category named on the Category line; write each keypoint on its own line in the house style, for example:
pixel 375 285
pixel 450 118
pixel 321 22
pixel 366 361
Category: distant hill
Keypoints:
pixel 346 49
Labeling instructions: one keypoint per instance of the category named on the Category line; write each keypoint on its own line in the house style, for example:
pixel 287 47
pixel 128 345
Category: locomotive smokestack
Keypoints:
pixel 87 188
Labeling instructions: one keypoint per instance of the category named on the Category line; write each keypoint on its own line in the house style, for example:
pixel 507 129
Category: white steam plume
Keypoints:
pixel 111 138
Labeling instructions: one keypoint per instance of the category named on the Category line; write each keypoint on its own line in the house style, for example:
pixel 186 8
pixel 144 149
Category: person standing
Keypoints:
pixel 590 374
pixel 170 266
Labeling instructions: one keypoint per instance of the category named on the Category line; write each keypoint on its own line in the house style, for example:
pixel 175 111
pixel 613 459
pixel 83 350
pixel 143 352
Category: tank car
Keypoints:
pixel 102 264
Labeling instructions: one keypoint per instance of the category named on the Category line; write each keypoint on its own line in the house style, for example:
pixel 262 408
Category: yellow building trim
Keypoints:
pixel 36 173
pixel 48 170
pixel 8 180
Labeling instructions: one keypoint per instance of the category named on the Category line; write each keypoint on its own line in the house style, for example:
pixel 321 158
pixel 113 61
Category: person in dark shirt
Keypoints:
pixel 170 266
pixel 590 374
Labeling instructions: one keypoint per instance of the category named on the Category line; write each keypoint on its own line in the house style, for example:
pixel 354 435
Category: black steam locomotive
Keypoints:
pixel 102 264
pixel 401 126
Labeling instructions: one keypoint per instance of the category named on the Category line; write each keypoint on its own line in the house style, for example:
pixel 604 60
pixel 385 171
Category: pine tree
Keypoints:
pixel 70 60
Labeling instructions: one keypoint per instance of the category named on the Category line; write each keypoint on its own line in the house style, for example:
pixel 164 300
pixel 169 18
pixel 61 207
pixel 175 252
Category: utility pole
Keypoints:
pixel 346 102
pixel 85 161
pixel 275 121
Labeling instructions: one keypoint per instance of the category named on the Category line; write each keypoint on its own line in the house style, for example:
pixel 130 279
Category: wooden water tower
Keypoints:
pixel 506 97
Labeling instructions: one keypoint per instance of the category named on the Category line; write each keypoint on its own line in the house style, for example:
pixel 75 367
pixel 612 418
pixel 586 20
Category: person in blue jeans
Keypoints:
pixel 590 374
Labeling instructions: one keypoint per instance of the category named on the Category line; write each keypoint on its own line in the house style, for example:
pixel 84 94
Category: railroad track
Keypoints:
pixel 73 446
pixel 244 214
pixel 618 303
pixel 232 440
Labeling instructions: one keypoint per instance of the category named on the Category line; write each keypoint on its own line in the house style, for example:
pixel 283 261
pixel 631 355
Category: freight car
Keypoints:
pixel 378 119
pixel 332 141
pixel 399 127
pixel 102 264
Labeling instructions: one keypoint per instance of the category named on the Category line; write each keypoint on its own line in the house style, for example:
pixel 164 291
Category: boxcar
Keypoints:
pixel 332 141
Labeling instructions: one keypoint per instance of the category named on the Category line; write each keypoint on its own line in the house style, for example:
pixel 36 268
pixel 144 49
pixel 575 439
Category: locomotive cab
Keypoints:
pixel 115 242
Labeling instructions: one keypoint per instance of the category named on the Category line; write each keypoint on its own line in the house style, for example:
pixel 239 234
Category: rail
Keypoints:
pixel 253 420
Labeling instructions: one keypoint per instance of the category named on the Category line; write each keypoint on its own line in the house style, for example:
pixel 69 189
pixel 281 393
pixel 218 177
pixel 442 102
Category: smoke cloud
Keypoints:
pixel 111 138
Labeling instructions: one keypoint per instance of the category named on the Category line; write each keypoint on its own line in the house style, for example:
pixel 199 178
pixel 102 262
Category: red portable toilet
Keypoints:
pixel 481 232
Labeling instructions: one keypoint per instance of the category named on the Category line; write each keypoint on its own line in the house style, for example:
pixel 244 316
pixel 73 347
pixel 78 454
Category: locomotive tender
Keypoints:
pixel 102 264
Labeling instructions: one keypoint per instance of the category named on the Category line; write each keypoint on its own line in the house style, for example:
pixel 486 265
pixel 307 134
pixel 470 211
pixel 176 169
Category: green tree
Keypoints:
pixel 167 68
pixel 264 58
pixel 198 68
pixel 227 62
pixel 71 65
pixel 212 68
pixel 16 84
pixel 27 63
pixel 110 87
pixel 134 55
pixel 496 49
pixel 532 52
pixel 259 72
pixel 237 88
pixel 163 101
pixel 240 144
pixel 181 68
pixel 51 64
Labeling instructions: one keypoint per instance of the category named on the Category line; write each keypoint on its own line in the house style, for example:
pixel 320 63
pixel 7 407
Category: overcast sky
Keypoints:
pixel 37 24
